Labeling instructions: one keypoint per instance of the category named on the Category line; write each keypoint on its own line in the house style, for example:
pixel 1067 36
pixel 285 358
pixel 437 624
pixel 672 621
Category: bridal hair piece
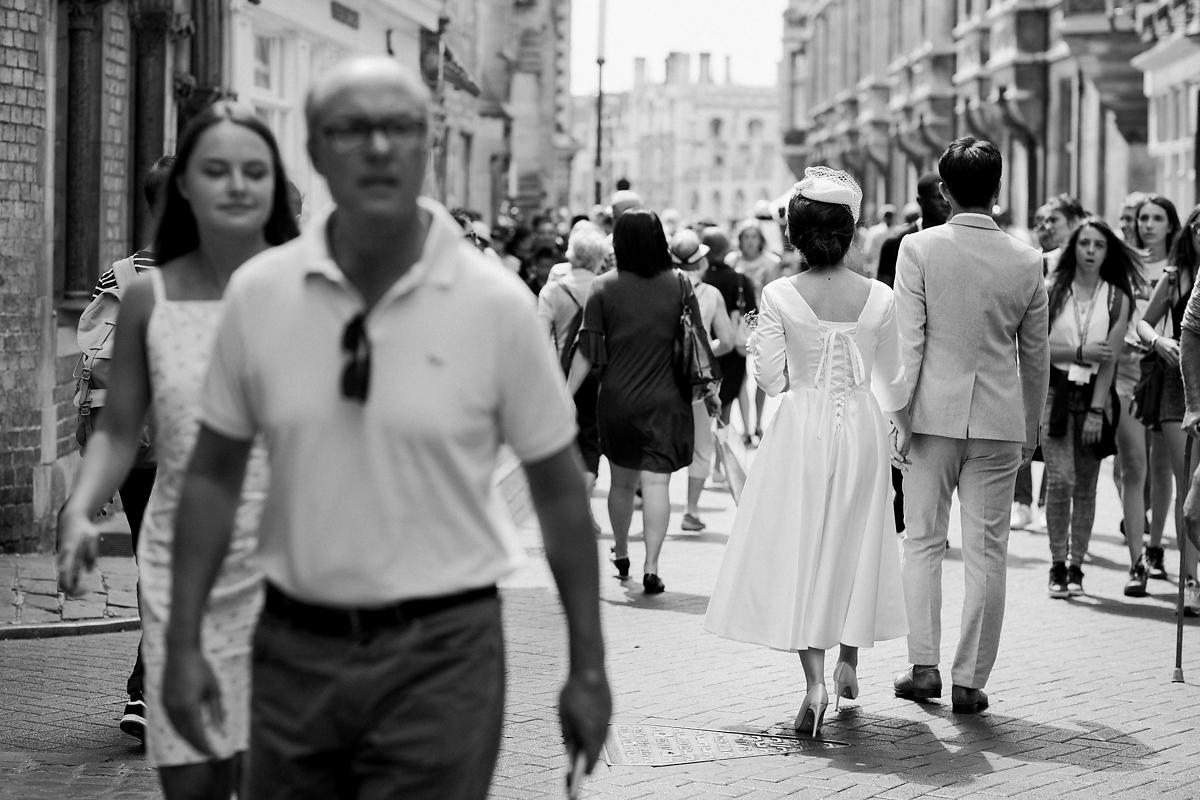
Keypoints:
pixel 827 185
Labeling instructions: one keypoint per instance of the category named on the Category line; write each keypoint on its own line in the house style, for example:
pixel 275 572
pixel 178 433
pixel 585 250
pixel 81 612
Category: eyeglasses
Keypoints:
pixel 355 134
pixel 356 377
pixel 1196 227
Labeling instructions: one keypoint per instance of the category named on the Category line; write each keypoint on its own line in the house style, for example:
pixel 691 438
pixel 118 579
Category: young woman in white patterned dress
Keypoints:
pixel 226 202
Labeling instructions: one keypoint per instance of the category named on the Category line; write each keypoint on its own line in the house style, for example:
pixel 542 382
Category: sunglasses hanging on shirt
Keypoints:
pixel 356 377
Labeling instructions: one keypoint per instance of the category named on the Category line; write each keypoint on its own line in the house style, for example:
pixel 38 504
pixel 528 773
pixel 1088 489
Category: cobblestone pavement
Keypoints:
pixel 1082 700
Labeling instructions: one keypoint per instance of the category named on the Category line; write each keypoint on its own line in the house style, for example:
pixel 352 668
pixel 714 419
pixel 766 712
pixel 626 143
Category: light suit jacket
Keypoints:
pixel 971 305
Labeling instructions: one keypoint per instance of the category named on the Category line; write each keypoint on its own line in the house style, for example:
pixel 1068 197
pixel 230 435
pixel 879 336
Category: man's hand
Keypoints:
pixel 584 709
pixel 78 546
pixel 1093 425
pixel 189 690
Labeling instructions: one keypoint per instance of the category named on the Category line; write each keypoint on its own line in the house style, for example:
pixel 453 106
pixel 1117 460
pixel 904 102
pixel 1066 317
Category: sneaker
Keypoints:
pixel 1191 598
pixel 1155 567
pixel 133 721
pixel 1136 585
pixel 1058 581
pixel 1021 516
pixel 1038 522
pixel 1074 580
pixel 691 523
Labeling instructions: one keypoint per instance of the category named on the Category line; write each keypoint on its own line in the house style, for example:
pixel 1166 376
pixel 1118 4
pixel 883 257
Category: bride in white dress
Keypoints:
pixel 813 559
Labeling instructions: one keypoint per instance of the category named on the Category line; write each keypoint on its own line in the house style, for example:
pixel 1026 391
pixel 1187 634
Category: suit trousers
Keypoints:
pixel 984 472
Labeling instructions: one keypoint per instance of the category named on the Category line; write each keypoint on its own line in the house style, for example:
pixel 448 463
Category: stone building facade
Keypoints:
pixel 697 143
pixel 92 92
pixel 1054 83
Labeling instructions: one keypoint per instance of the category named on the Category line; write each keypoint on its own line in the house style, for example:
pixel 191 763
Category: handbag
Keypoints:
pixel 1147 392
pixel 735 471
pixel 741 329
pixel 695 367
pixel 1106 445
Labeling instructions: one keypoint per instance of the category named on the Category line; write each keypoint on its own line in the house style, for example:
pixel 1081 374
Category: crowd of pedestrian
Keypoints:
pixel 334 629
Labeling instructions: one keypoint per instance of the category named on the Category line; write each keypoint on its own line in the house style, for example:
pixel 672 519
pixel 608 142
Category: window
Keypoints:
pixel 715 126
pixel 268 70
pixel 270 93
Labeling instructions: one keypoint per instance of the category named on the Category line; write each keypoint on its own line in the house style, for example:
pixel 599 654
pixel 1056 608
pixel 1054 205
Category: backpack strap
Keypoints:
pixel 1114 306
pixel 124 273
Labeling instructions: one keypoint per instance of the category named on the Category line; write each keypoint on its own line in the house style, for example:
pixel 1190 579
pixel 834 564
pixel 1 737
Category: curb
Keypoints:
pixel 49 630
pixel 509 478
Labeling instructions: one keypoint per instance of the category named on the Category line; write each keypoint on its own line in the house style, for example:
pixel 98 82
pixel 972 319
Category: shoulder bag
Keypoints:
pixel 695 367
pixel 1147 392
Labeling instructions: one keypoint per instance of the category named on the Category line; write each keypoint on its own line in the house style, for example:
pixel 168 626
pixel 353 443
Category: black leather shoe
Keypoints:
pixel 918 683
pixel 967 701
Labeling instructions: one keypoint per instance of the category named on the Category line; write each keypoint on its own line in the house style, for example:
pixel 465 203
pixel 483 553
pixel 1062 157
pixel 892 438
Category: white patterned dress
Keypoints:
pixel 813 559
pixel 179 341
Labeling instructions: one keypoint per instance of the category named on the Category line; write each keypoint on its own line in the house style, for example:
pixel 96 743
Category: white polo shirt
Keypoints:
pixel 392 499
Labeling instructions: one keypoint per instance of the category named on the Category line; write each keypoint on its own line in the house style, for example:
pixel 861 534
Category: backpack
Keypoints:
pixel 94 334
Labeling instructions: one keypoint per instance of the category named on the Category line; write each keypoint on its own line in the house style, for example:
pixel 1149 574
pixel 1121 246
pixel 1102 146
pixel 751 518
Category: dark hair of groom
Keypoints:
pixel 970 170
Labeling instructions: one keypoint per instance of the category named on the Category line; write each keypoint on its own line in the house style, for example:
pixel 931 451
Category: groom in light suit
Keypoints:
pixel 971 306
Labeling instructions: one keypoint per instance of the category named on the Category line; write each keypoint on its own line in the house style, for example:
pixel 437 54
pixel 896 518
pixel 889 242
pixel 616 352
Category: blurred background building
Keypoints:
pixel 1092 97
pixel 694 141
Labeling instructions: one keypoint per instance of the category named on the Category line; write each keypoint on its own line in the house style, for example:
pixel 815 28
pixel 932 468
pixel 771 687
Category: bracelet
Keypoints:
pixel 1154 341
pixel 1095 410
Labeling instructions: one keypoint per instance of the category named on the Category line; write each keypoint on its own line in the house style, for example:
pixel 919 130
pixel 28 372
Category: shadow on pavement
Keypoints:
pixel 913 751
pixel 667 601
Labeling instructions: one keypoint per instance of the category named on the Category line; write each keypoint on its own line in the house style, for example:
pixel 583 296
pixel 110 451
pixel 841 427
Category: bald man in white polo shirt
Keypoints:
pixel 385 361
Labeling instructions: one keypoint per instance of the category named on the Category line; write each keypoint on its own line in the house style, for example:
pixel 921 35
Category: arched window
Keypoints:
pixel 715 126
pixel 754 128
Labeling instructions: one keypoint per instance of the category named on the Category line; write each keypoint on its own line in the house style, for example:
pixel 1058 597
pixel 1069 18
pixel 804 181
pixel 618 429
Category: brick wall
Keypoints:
pixel 115 136
pixel 22 232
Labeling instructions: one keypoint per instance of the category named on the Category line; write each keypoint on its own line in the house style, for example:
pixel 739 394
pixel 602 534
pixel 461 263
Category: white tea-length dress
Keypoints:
pixel 813 559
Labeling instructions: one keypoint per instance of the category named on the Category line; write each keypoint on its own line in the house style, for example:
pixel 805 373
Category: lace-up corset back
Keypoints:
pixel 828 357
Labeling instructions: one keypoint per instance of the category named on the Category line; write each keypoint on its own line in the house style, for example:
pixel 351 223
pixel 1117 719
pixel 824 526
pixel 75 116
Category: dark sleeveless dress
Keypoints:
pixel 629 327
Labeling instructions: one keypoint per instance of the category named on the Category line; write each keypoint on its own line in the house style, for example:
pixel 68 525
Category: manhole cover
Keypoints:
pixel 664 745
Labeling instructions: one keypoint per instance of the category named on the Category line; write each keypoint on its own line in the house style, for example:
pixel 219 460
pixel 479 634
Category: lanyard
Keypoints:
pixel 1082 325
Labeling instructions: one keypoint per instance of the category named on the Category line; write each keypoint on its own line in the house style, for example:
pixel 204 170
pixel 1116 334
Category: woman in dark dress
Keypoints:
pixel 630 324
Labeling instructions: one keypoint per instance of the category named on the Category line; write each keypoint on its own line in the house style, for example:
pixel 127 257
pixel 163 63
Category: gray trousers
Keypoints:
pixel 983 471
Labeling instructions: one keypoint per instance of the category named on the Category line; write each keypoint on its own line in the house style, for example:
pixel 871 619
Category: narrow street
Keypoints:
pixel 1082 703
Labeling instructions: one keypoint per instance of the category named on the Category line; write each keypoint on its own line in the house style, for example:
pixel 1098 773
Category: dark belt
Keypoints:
pixel 334 621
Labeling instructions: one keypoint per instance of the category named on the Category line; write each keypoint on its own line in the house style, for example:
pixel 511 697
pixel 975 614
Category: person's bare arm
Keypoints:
pixel 1094 422
pixel 1166 347
pixel 559 495
pixel 203 530
pixel 723 332
pixel 113 447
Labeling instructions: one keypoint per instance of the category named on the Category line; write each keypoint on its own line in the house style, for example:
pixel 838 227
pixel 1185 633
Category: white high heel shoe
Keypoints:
pixel 845 683
pixel 812 711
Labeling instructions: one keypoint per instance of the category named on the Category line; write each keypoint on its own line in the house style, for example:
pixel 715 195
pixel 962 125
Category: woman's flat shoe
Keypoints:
pixel 812 712
pixel 845 683
pixel 622 565
pixel 653 584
